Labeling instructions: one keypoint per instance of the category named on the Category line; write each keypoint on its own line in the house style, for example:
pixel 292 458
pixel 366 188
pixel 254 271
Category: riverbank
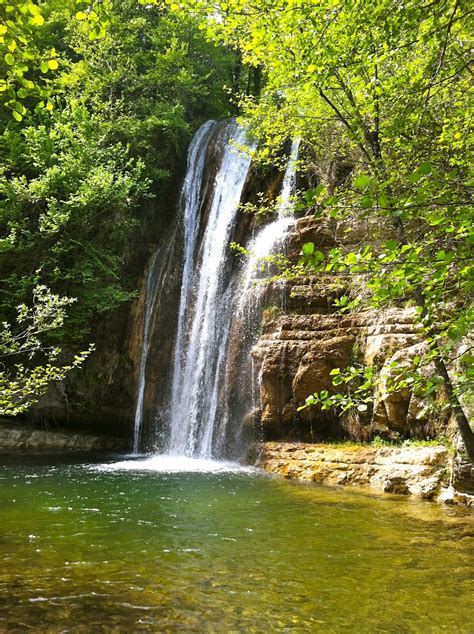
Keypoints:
pixel 15 438
pixel 429 472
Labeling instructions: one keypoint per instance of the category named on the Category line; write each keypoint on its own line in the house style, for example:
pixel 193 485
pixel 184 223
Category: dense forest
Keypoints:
pixel 93 133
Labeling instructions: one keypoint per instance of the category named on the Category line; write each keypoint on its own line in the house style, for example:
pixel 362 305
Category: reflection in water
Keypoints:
pixel 97 547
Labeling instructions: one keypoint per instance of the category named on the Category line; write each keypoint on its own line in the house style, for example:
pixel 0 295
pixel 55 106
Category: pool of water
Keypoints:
pixel 164 546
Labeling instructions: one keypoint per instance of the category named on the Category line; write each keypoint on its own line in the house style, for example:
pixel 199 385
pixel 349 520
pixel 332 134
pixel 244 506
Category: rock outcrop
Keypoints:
pixel 19 439
pixel 300 345
pixel 419 471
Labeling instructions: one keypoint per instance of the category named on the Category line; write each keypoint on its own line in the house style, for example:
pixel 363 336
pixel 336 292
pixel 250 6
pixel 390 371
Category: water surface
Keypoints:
pixel 155 546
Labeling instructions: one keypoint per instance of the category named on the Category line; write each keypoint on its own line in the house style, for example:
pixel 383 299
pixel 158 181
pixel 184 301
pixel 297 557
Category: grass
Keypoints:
pixel 380 442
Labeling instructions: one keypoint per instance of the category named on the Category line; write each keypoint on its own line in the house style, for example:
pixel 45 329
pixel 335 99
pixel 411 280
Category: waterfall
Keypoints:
pixel 206 303
pixel 151 288
pixel 273 234
pixel 189 201
pixel 210 384
pixel 240 383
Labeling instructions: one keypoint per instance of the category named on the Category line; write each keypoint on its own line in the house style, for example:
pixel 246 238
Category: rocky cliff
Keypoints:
pixel 301 343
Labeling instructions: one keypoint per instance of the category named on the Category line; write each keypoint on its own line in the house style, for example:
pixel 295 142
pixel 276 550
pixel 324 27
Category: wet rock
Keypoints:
pixel 450 496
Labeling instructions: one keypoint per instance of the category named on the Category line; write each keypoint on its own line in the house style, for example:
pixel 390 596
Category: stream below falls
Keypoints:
pixel 176 544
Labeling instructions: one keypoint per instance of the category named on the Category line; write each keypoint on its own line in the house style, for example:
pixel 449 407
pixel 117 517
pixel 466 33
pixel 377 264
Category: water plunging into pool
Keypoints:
pixel 205 311
pixel 213 296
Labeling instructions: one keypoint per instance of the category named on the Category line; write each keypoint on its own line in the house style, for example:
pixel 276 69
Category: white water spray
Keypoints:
pixel 273 234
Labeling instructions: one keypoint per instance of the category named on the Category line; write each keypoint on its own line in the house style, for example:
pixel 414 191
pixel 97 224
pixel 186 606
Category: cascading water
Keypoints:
pixel 206 306
pixel 273 234
pixel 211 381
pixel 151 288
pixel 159 265
pixel 240 382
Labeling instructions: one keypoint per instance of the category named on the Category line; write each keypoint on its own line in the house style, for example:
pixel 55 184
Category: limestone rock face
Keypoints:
pixel 301 344
pixel 419 471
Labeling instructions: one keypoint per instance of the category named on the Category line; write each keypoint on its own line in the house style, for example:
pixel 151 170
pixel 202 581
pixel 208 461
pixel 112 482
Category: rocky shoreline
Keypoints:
pixel 428 472
pixel 16 439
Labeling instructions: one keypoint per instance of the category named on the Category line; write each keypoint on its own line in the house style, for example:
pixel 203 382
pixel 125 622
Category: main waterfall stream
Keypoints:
pixel 196 417
pixel 206 305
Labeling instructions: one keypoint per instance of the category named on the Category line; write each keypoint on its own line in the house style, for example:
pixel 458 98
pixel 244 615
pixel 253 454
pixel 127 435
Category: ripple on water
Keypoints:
pixel 169 544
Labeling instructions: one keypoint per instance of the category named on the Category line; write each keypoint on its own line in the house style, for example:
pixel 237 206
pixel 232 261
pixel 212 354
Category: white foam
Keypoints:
pixel 177 464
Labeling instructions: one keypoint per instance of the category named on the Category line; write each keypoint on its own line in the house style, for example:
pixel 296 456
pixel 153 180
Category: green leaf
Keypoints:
pixel 311 194
pixel 308 248
pixel 361 181
pixel 80 15
pixel 425 168
pixel 17 115
pixel 19 107
pixel 37 20
pixel 9 59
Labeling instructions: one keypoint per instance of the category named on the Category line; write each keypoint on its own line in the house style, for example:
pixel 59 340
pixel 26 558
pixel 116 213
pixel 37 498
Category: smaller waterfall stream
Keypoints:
pixel 273 234
pixel 151 288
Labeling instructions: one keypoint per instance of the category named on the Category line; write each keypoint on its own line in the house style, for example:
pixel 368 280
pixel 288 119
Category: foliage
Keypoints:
pixel 18 53
pixel 76 175
pixel 68 213
pixel 98 100
pixel 360 383
pixel 23 344
pixel 386 87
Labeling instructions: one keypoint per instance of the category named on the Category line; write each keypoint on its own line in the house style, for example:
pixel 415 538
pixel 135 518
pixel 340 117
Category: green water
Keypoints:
pixel 91 550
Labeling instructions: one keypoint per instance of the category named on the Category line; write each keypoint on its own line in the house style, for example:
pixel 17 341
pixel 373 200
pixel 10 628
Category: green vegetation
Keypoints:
pixel 94 125
pixel 22 384
pixel 100 99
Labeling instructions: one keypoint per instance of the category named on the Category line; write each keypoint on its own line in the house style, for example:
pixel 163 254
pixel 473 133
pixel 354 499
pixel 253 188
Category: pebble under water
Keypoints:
pixel 163 546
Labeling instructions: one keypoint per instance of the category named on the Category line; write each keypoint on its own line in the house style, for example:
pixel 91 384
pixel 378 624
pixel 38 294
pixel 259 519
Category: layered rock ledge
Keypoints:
pixel 418 471
pixel 16 439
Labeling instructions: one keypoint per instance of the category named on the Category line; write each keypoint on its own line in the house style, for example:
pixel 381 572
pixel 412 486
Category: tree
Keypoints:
pixel 92 128
pixel 22 344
